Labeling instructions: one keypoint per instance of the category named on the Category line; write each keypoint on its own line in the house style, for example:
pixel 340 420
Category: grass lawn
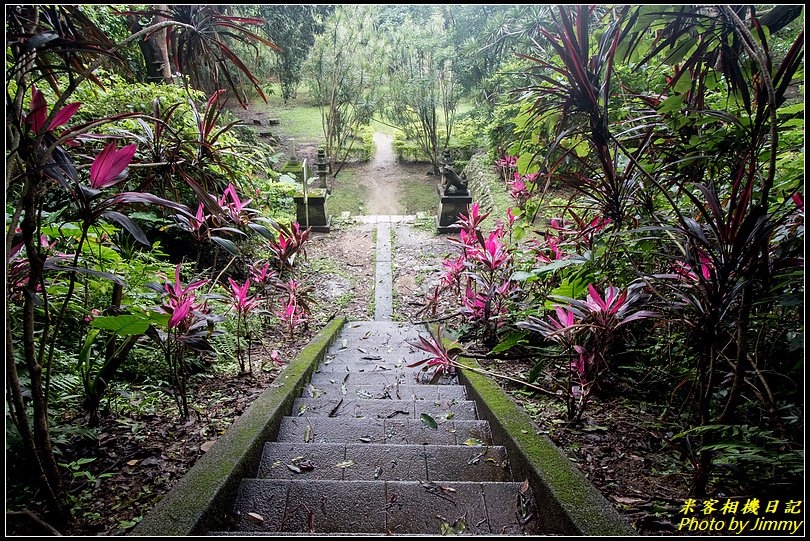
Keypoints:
pixel 419 195
pixel 348 195
pixel 299 117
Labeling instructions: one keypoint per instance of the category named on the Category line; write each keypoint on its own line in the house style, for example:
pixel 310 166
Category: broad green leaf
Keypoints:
pixel 84 355
pixel 528 164
pixel 671 104
pixel 521 276
pixel 559 264
pixel 123 325
pixel 511 340
pixel 429 421
pixel 474 442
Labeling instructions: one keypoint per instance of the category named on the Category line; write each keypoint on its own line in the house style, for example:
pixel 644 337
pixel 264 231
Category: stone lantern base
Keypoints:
pixel 450 206
pixel 319 219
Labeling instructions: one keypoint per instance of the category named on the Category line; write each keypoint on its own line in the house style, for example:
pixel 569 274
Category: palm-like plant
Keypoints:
pixel 710 160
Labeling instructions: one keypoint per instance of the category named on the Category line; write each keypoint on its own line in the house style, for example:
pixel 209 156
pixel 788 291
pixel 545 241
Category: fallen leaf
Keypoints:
pixel 429 421
pixel 133 462
pixel 473 442
pixel 361 350
pixel 449 415
pixel 345 464
pixel 344 344
pixel 626 501
pixel 524 487
pixel 308 433
pixel 293 468
pixel 207 445
pixel 377 472
pixel 255 517
pixel 335 409
pixel 366 439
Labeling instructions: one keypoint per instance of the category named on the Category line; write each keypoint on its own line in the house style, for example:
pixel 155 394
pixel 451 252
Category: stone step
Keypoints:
pixel 373 462
pixel 339 371
pixel 385 409
pixel 398 507
pixel 380 328
pixel 380 377
pixel 391 431
pixel 392 392
pixel 371 355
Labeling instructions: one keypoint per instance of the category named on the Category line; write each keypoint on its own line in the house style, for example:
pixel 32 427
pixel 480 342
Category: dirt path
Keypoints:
pixel 385 178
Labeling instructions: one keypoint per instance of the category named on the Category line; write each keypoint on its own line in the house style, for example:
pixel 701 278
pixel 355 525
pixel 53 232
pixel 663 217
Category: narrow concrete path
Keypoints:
pixel 383 279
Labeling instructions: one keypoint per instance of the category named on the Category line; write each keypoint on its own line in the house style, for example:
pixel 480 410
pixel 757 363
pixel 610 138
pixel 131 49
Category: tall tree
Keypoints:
pixel 293 28
pixel 345 78
pixel 423 92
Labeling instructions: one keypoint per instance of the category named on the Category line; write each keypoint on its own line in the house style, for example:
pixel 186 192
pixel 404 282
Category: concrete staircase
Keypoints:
pixel 370 448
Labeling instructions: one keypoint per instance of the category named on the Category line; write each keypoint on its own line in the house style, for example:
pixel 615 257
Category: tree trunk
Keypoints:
pixel 151 54
pixel 163 47
pixel 49 477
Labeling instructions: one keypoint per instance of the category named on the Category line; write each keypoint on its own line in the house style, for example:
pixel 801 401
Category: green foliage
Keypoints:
pixel 422 90
pixel 344 76
pixel 293 28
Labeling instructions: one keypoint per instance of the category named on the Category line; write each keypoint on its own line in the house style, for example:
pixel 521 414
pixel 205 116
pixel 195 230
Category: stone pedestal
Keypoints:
pixel 293 169
pixel 319 219
pixel 450 206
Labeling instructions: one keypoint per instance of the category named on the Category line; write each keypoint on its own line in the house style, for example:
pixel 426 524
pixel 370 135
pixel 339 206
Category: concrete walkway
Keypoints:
pixel 383 279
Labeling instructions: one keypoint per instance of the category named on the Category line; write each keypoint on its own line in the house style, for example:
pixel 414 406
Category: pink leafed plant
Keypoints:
pixel 472 220
pixel 493 254
pixel 38 113
pixel 242 303
pixel 109 167
pixel 442 358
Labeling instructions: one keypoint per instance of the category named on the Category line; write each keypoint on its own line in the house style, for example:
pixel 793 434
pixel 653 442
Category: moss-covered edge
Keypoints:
pixel 567 502
pixel 203 499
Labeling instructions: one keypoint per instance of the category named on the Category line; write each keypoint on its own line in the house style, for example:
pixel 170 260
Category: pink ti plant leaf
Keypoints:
pixel 176 289
pixel 38 113
pixel 442 357
pixel 181 311
pixel 262 275
pixel 242 303
pixel 109 167
pixel 494 254
pixel 470 221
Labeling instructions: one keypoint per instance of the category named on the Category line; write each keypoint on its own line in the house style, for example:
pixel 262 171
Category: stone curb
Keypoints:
pixel 567 502
pixel 203 499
